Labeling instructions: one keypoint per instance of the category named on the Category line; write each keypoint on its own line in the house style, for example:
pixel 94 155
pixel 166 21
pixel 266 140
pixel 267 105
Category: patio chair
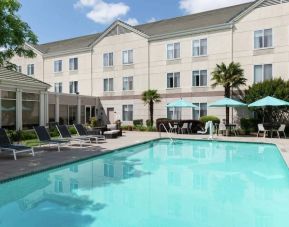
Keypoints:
pixel 65 134
pixel 281 129
pixel 5 145
pixel 44 137
pixel 173 129
pixel 205 130
pixel 184 128
pixel 222 128
pixel 262 129
pixel 81 131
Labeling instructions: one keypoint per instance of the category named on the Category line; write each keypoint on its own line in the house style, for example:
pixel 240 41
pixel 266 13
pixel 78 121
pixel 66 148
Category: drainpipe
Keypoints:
pixel 91 71
pixel 149 70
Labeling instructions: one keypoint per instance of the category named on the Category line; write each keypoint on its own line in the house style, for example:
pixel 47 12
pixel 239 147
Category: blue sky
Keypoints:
pixel 60 19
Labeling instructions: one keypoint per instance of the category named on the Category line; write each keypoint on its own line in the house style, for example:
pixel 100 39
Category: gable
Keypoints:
pixel 271 3
pixel 118 30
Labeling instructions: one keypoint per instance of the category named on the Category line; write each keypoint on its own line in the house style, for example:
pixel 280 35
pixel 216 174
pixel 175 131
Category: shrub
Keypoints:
pixel 93 122
pixel 140 128
pixel 151 129
pixel 53 132
pixel 149 123
pixel 72 130
pixel 138 122
pixel 214 119
pixel 249 124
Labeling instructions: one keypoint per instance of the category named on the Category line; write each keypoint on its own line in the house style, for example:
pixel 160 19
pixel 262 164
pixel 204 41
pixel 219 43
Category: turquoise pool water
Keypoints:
pixel 189 183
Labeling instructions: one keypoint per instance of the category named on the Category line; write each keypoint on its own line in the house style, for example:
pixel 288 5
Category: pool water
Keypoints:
pixel 188 183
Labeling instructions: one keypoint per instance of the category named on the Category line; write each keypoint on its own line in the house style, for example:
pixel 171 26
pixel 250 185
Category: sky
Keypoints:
pixel 53 20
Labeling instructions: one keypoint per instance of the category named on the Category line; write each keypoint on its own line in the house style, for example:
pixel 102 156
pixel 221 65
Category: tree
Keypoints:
pixel 230 77
pixel 277 88
pixel 150 97
pixel 14 34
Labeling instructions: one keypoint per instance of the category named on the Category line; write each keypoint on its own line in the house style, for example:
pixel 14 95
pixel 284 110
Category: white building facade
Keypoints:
pixel 174 56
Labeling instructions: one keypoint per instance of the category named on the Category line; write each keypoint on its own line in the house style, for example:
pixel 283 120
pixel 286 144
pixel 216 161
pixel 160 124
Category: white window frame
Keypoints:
pixel 127 79
pixel 109 54
pixel 129 60
pixel 199 46
pixel 73 64
pixel 73 91
pixel 174 53
pixel 57 65
pixel 57 87
pixel 30 69
pixel 263 70
pixel 176 113
pixel 128 106
pixel 263 39
pixel 174 78
pixel 198 104
pixel 109 87
pixel 19 68
pixel 199 71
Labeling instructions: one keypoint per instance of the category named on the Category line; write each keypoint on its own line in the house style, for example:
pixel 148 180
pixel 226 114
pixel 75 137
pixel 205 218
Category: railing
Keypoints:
pixel 168 133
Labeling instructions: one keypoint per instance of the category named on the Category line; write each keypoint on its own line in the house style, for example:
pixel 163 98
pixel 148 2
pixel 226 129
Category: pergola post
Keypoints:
pixel 19 125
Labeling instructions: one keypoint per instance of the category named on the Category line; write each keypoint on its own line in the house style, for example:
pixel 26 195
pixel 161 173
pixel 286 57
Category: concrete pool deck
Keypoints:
pixel 46 158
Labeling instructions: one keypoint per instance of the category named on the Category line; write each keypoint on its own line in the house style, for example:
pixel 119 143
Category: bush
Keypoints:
pixel 149 123
pixel 214 119
pixel 72 130
pixel 249 125
pixel 93 122
pixel 151 129
pixel 137 122
pixel 140 128
pixel 53 132
pixel 21 135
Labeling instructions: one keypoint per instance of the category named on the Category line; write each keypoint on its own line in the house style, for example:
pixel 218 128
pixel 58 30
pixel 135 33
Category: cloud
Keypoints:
pixel 132 21
pixel 102 12
pixel 195 6
pixel 153 19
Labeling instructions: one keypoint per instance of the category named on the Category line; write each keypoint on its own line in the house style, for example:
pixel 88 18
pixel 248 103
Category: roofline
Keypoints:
pixel 32 47
pixel 218 27
pixel 85 49
pixel 246 11
pixel 118 22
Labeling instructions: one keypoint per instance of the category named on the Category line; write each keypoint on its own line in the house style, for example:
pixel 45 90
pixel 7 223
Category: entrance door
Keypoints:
pixel 110 115
pixel 87 113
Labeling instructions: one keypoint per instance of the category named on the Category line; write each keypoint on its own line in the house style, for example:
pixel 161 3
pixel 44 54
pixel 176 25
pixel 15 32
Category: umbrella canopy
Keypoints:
pixel 226 102
pixel 182 104
pixel 269 101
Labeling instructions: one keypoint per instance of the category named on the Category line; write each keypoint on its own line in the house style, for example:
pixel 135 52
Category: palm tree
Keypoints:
pixel 230 77
pixel 150 97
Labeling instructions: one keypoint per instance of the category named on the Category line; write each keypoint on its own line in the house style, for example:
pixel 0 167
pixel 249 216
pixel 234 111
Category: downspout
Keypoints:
pixel 232 59
pixel 149 67
pixel 91 81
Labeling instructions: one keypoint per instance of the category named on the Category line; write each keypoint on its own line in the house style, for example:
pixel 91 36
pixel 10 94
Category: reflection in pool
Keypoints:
pixel 188 183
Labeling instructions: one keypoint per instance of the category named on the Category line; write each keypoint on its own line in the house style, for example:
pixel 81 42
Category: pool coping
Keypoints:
pixel 110 151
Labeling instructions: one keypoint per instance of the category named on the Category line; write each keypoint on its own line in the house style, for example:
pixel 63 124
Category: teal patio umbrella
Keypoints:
pixel 181 104
pixel 227 102
pixel 268 101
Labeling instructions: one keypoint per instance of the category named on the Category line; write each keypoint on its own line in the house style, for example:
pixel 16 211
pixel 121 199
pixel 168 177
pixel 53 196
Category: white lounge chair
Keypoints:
pixel 281 129
pixel 262 129
pixel 222 128
pixel 184 128
pixel 173 129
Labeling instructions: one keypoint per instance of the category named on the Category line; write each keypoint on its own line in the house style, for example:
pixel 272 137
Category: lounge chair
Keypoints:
pixel 281 129
pixel 44 137
pixel 6 145
pixel 205 130
pixel 262 129
pixel 173 128
pixel 81 131
pixel 222 128
pixel 65 134
pixel 184 128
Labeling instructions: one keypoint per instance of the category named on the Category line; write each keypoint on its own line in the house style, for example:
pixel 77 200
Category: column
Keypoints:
pixel 46 113
pixel 18 109
pixel 78 109
pixel 42 109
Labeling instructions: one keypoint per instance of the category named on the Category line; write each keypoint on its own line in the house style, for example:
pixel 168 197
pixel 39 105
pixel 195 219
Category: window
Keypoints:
pixel 73 64
pixel 58 185
pixel 73 185
pixel 58 66
pixel 127 57
pixel 173 80
pixel 58 87
pixel 73 87
pixel 200 47
pixel 30 109
pixel 199 112
pixel 263 39
pixel 199 78
pixel 30 69
pixel 108 59
pixel 262 72
pixel 174 113
pixel 19 68
pixel 108 84
pixel 127 112
pixel 173 51
pixel 128 83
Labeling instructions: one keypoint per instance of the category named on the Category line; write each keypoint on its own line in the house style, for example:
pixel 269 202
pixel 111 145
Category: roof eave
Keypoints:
pixel 54 54
pixel 192 31
pixel 35 49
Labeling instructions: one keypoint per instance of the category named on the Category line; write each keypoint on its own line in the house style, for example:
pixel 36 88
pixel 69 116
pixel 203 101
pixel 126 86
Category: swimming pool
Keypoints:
pixel 188 183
